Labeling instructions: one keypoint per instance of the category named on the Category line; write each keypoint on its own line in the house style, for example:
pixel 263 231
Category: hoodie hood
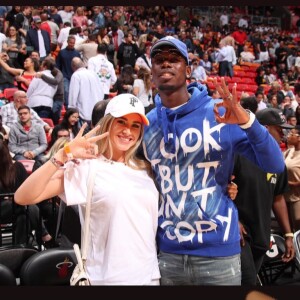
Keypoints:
pixel 167 117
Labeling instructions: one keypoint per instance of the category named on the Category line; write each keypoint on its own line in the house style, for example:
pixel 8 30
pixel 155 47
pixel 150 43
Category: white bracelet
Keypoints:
pixel 289 234
pixel 251 120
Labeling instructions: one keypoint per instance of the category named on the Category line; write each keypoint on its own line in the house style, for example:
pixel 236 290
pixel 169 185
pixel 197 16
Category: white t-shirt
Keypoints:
pixel 123 223
pixel 143 95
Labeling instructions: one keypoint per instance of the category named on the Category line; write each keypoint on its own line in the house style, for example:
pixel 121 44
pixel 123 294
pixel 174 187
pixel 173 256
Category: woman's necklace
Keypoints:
pixel 110 161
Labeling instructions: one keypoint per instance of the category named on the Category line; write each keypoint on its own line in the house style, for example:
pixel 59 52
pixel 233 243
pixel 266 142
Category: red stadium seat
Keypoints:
pixel 252 88
pixel 9 93
pixel 250 74
pixel 49 122
pixel 236 79
pixel 247 80
pixel 241 87
pixel 239 73
pixel 63 111
pixel 28 164
pixel 210 85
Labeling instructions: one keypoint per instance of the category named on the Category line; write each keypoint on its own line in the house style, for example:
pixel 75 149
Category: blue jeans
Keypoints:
pixel 178 269
pixel 66 91
pixel 21 157
pixel 56 110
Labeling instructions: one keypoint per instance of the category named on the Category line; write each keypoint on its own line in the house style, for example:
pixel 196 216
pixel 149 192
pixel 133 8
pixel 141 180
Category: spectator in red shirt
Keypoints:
pixel 240 38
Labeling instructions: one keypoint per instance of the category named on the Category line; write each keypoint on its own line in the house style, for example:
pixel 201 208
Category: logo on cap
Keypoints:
pixel 133 100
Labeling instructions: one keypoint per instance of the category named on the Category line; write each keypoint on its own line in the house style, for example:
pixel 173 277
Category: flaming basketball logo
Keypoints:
pixel 64 267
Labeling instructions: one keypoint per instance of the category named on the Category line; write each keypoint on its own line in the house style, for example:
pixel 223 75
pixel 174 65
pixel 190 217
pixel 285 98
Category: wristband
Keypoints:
pixel 68 151
pixel 251 120
pixel 289 234
pixel 58 164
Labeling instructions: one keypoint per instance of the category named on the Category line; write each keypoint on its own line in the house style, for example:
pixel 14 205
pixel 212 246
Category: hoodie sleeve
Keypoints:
pixel 264 151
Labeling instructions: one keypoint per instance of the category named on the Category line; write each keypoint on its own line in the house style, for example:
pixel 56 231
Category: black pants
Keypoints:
pixel 251 262
pixel 225 68
pixel 43 111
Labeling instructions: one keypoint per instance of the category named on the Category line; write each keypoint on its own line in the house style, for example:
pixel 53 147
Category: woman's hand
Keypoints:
pixel 84 146
pixel 235 113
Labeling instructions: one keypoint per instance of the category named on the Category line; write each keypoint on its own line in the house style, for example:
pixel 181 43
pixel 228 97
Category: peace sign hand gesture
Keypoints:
pixel 84 146
pixel 235 113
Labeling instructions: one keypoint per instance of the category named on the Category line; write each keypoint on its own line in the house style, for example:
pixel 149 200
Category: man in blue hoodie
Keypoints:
pixel 191 144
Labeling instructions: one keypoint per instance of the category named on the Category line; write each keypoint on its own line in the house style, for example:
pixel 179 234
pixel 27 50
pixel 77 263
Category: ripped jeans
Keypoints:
pixel 178 269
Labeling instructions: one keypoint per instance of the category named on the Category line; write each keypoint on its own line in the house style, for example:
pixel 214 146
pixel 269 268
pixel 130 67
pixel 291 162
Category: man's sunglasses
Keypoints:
pixel 172 55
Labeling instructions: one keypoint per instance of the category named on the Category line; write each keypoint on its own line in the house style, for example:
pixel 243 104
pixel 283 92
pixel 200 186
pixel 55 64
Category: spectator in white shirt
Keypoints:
pixel 40 93
pixel 85 90
pixel 198 72
pixel 104 69
pixel 64 33
pixel 246 55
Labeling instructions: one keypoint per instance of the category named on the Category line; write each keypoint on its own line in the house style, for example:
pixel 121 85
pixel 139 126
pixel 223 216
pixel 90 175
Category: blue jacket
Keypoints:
pixel 33 40
pixel 192 158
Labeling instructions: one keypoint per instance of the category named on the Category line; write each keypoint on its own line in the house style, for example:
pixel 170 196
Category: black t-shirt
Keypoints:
pixel 21 175
pixel 6 205
pixel 256 192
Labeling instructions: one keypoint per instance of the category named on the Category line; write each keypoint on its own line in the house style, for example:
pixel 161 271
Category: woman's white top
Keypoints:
pixel 143 95
pixel 123 223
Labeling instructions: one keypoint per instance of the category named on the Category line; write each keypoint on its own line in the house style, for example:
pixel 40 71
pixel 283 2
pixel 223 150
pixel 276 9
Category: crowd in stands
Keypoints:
pixel 62 60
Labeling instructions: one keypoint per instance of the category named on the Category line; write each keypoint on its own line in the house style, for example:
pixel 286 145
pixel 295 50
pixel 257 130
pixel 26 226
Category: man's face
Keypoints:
pixel 169 69
pixel 24 115
pixel 71 43
pixel 63 133
pixel 35 55
pixel 22 99
pixel 293 121
pixel 276 132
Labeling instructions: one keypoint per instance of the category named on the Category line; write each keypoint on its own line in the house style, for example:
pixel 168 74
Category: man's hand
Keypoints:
pixel 243 233
pixel 234 112
pixel 289 250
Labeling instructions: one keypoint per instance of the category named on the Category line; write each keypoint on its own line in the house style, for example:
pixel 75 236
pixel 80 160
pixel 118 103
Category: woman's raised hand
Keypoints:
pixel 84 146
pixel 234 112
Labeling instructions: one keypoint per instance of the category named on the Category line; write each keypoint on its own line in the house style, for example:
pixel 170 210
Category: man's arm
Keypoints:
pixel 42 141
pixel 74 90
pixel 4 114
pixel 282 217
pixel 35 117
pixel 12 141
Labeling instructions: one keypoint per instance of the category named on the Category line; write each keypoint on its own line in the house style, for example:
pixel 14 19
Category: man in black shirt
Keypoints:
pixel 259 193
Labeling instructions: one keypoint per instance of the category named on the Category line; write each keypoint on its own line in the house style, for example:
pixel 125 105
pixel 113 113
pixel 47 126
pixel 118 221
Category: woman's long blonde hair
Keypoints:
pixel 131 158
pixel 145 75
pixel 59 143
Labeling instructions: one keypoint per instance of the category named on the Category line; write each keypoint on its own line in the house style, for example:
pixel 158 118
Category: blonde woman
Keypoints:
pixel 142 88
pixel 124 209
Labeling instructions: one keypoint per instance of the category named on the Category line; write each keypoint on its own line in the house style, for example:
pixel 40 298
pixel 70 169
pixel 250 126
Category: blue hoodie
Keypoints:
pixel 192 157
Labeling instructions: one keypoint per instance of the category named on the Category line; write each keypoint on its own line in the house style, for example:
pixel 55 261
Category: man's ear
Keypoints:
pixel 188 71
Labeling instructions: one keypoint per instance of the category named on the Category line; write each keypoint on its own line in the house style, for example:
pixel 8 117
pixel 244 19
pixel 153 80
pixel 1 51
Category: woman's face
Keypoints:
pixel 293 137
pixel 124 133
pixel 274 100
pixel 28 63
pixel 12 31
pixel 73 119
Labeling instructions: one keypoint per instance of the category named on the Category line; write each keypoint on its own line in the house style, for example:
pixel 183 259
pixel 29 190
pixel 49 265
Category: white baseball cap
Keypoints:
pixel 125 104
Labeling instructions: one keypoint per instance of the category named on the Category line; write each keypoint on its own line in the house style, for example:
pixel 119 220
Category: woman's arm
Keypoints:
pixel 135 91
pixel 13 71
pixel 48 180
pixel 50 183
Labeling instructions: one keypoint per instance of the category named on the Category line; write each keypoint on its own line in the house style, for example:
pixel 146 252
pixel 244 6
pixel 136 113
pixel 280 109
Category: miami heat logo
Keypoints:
pixel 63 267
